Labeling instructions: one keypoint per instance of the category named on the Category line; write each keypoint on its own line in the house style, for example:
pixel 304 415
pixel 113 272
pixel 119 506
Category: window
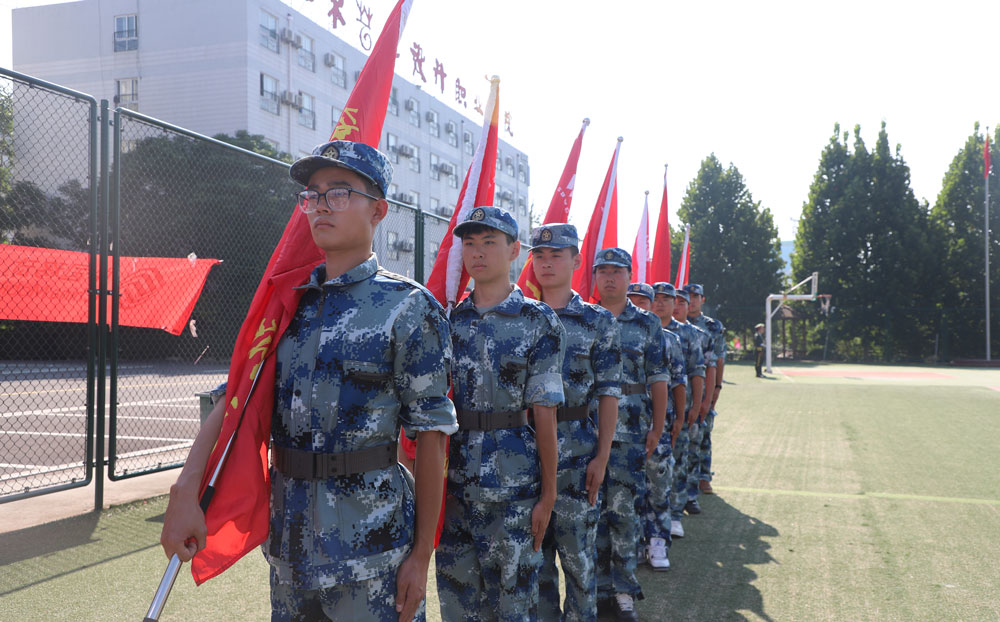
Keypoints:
pixel 338 75
pixel 269 31
pixel 393 191
pixel 126 34
pixel 522 205
pixel 394 102
pixel 498 195
pixel 392 242
pixel 435 206
pixel 453 178
pixel 392 146
pixel 452 133
pixel 306 57
pixel 467 142
pixel 334 117
pixel 509 164
pixel 499 159
pixel 435 162
pixel 432 124
pixel 522 172
pixel 434 250
pixel 413 107
pixel 268 93
pixel 127 93
pixel 415 159
pixel 307 115
pixel 414 199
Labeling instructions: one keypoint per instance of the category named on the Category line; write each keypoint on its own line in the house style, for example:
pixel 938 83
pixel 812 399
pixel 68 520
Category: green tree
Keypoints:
pixel 958 218
pixel 870 240
pixel 735 250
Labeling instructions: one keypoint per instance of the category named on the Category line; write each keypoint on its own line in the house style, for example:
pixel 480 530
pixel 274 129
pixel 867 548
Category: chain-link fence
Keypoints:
pixel 48 212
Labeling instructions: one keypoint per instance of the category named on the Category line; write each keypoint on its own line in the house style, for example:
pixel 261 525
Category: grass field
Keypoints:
pixel 844 493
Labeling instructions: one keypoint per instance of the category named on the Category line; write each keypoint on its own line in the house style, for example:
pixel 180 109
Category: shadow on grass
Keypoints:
pixel 711 575
pixel 39 554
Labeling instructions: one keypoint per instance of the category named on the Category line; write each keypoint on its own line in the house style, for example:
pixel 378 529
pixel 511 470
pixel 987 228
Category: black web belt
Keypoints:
pixel 572 414
pixel 632 389
pixel 474 420
pixel 301 464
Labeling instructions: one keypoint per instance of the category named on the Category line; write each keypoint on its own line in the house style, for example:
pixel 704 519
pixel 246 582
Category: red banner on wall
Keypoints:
pixel 49 285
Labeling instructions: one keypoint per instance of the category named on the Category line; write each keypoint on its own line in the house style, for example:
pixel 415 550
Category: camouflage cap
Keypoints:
pixel 555 235
pixel 613 257
pixel 663 287
pixel 640 289
pixel 489 216
pixel 359 158
pixel 694 288
pixel 682 294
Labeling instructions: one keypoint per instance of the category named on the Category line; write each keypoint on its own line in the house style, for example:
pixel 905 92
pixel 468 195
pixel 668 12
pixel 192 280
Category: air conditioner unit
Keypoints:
pixel 329 59
pixel 357 76
pixel 410 104
pixel 430 117
pixel 287 36
pixel 404 245
pixel 400 196
pixel 447 168
pixel 507 195
pixel 406 151
pixel 297 43
pixel 290 98
pixel 450 127
pixel 444 210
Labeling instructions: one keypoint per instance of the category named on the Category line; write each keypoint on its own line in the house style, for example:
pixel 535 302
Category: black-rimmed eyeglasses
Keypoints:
pixel 336 199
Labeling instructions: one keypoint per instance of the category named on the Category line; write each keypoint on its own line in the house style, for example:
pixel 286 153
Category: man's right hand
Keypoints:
pixel 184 529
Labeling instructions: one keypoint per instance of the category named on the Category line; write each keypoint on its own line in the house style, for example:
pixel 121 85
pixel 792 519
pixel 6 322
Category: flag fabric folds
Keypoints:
pixel 661 253
pixel 558 211
pixel 237 519
pixel 684 267
pixel 602 231
pixel 641 268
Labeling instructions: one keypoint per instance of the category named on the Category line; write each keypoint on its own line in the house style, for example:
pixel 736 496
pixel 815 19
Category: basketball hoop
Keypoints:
pixel 824 303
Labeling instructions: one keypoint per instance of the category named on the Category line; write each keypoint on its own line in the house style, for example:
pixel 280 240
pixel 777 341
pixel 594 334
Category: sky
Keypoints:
pixel 759 84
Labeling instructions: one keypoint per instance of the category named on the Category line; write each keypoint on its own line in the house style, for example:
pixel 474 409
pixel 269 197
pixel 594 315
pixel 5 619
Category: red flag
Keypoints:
pixel 986 157
pixel 685 266
pixel 448 277
pixel 50 285
pixel 641 268
pixel 603 229
pixel 558 211
pixel 237 519
pixel 661 254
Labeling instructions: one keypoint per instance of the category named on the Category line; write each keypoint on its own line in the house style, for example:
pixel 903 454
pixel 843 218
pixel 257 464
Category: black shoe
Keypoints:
pixel 606 605
pixel 692 507
pixel 625 608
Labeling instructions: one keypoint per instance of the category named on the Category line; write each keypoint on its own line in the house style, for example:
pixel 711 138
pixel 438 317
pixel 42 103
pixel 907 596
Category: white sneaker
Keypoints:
pixel 656 552
pixel 626 608
pixel 676 530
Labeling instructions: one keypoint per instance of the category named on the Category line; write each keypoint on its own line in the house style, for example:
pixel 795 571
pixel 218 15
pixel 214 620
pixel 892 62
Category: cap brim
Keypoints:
pixel 303 169
pixel 468 223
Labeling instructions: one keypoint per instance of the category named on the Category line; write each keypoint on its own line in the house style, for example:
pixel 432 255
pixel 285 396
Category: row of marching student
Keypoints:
pixel 568 428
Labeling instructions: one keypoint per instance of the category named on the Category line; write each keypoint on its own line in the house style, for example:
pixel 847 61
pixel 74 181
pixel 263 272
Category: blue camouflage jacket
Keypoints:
pixel 691 338
pixel 644 361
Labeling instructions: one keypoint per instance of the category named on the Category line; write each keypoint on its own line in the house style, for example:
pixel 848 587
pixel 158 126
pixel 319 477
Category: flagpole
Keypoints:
pixel 986 236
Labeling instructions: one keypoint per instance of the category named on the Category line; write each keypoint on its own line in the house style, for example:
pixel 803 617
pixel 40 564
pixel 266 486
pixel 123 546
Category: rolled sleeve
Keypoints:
pixel 606 357
pixel 421 369
pixel 543 385
pixel 218 392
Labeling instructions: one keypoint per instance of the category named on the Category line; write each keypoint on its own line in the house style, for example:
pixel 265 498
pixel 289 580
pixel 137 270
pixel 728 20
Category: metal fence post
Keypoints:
pixel 114 213
pixel 102 314
pixel 418 243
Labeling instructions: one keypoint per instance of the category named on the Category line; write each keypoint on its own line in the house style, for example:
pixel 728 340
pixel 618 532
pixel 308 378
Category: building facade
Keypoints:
pixel 220 66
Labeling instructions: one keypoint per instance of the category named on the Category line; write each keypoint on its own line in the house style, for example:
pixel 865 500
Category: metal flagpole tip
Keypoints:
pixel 647 192
pixel 586 121
pixel 664 166
pixel 620 139
pixel 494 78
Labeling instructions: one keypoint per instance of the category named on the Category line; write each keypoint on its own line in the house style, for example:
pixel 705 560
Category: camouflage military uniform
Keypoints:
pixel 592 368
pixel 703 453
pixel 691 339
pixel 660 466
pixel 643 363
pixel 507 358
pixel 366 352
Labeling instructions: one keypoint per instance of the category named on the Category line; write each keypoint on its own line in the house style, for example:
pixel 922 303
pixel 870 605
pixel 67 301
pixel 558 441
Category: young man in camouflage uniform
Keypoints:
pixel 501 473
pixel 342 543
pixel 640 425
pixel 591 378
pixel 699 360
pixel 660 466
pixel 641 295
pixel 716 331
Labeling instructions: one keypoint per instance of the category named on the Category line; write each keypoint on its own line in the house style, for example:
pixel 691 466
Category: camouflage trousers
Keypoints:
pixel 659 483
pixel 487 568
pixel 573 533
pixel 685 471
pixel 372 600
pixel 701 456
pixel 618 526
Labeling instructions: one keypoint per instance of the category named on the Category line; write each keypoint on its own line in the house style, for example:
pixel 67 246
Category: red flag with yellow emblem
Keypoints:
pixel 237 518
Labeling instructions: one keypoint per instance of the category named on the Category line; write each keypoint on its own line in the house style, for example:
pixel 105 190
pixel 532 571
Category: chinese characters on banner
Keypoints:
pixel 416 51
